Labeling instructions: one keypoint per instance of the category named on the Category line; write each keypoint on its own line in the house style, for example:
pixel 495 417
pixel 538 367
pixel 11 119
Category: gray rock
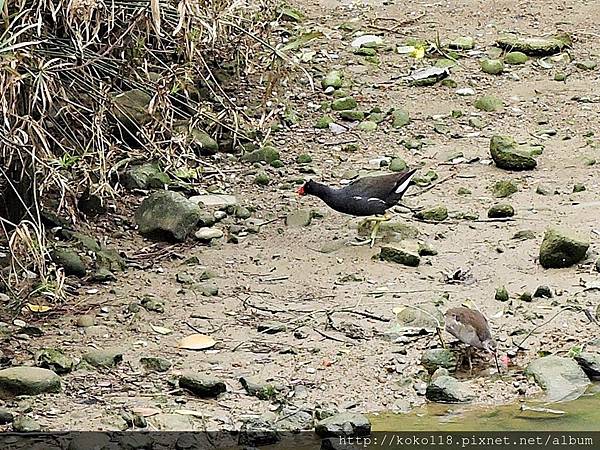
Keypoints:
pixel 55 360
pixel 217 201
pixel 242 212
pixel 208 289
pixel 344 424
pixel 562 248
pixel 5 416
pixel 590 363
pixel 258 431
pixel 295 420
pixel 389 231
pixel 153 304
pixel 561 378
pixel 170 422
pixel 155 364
pixel 86 320
pixel 131 109
pixel 507 154
pixel 207 234
pixel 270 327
pixel 201 385
pixel 145 176
pixel 264 390
pixel 523 235
pixel 446 389
pixel 399 255
pixel 103 275
pixel 104 357
pixel 543 291
pixel 70 261
pixel 400 118
pixel 167 215
pixel 436 358
pixel 23 380
pixel 299 218
pixel 24 424
pixel 423 317
pixel 197 138
pixel 440 372
pixel 109 259
pixel 428 76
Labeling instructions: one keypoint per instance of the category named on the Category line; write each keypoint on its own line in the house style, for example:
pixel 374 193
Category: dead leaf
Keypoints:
pixel 145 412
pixel 160 330
pixel 197 342
pixel 189 412
pixel 38 308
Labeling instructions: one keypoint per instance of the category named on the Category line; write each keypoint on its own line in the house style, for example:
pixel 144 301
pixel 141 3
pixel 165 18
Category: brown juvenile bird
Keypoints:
pixel 471 327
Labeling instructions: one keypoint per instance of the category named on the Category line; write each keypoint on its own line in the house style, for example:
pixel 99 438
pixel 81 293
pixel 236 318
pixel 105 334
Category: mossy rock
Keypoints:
pixel 500 211
pixel 501 294
pixel 492 66
pixel 145 176
pixel 399 255
pixel 562 248
pixel 398 165
pixel 436 358
pixel 344 104
pixel 333 79
pixel 488 103
pixel 70 261
pixel 462 43
pixel 400 118
pixel 352 115
pixel 324 121
pixel 197 138
pixel 504 188
pixel 55 360
pixel 537 46
pixel 131 109
pixel 507 155
pixel 438 213
pixel 367 125
pixel 266 154
pixel 516 58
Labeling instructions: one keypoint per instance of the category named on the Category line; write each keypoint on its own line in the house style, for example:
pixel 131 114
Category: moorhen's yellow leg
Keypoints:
pixel 377 221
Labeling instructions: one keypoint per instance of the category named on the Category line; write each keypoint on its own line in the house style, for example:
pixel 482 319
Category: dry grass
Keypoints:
pixel 62 63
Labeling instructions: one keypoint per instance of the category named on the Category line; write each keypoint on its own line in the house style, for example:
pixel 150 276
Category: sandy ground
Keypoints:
pixel 279 275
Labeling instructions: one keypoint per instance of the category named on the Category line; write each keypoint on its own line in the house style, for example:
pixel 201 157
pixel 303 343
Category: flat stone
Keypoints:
pixel 201 385
pixel 344 424
pixel 24 424
pixel 299 218
pixel 24 380
pixel 436 358
pixel 206 234
pixel 155 364
pixel 104 357
pixel 446 389
pixel 560 377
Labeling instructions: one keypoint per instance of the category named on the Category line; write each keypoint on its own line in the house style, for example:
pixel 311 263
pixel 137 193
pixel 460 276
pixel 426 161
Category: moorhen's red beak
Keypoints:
pixel 301 190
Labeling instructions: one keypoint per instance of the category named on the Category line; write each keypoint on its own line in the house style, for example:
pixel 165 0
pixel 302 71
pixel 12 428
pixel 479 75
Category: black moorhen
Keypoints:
pixel 471 327
pixel 367 196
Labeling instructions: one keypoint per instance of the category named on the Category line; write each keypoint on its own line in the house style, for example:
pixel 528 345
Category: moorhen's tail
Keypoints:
pixel 400 187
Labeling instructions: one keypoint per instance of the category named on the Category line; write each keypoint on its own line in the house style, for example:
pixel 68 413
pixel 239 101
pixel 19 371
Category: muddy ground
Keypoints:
pixel 342 358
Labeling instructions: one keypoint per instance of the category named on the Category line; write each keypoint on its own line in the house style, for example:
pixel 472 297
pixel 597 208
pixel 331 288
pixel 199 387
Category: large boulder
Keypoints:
pixel 560 377
pixel 167 215
pixel 561 248
pixel 24 380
